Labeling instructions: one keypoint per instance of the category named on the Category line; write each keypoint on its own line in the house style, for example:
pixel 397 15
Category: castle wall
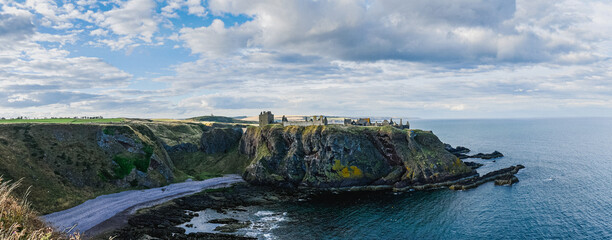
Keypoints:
pixel 303 123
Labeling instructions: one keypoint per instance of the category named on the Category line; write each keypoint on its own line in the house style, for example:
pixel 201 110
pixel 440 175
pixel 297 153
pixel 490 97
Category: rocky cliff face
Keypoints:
pixel 66 164
pixel 340 156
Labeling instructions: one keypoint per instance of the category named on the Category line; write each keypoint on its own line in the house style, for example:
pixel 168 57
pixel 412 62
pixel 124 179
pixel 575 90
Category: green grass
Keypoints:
pixel 63 120
pixel 127 162
pixel 125 166
pixel 206 175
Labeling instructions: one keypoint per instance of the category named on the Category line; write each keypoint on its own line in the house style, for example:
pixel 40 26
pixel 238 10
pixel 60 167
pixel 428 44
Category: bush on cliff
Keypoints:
pixel 19 221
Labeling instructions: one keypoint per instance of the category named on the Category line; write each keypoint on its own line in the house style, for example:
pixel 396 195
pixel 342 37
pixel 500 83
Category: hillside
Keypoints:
pixel 67 164
pixel 219 119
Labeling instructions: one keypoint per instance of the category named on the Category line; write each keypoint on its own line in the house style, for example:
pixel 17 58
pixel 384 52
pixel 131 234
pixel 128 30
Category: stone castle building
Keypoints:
pixel 267 117
pixel 308 121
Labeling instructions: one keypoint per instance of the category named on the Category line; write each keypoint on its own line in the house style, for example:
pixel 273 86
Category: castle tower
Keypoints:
pixel 266 118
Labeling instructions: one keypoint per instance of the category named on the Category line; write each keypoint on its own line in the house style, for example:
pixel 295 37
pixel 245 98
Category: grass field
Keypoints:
pixel 63 120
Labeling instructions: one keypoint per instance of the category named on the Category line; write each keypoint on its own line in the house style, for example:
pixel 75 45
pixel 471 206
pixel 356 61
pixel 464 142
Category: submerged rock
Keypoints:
pixel 507 180
pixel 224 221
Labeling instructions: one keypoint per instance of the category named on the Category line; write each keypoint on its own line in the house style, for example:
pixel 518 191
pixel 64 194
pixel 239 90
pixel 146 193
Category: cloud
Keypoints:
pixel 466 58
pixel 213 102
pixel 215 39
pixel 21 100
pixel 477 32
pixel 194 7
pixel 32 75
pixel 98 32
pixel 15 28
pixel 133 18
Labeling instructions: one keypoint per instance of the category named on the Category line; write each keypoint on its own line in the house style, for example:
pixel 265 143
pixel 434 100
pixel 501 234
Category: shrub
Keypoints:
pixel 19 222
pixel 125 166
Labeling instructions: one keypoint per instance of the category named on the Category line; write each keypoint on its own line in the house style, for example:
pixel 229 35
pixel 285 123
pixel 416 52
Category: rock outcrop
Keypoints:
pixel 345 156
pixel 504 176
pixel 456 150
pixel 492 155
pixel 461 152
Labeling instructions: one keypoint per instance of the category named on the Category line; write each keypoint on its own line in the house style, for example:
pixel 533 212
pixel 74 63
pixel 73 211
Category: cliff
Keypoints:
pixel 336 156
pixel 66 164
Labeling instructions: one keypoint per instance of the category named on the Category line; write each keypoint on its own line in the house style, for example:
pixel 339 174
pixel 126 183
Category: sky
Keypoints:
pixel 419 59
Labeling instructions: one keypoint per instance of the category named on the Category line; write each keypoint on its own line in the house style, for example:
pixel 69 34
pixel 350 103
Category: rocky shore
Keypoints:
pixel 504 176
pixel 161 222
pixel 461 153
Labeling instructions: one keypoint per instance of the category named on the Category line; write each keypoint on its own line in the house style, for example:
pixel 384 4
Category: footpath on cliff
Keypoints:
pixel 107 212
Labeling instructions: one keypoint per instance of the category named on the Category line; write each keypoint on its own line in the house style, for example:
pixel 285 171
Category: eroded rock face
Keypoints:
pixel 344 156
pixel 220 140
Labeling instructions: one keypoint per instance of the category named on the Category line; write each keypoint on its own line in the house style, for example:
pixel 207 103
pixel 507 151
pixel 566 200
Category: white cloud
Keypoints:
pixel 133 18
pixel 216 39
pixel 98 32
pixel 476 32
pixel 32 75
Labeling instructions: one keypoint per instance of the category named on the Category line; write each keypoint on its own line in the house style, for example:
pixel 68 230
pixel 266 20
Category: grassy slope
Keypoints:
pixel 63 162
pixel 201 166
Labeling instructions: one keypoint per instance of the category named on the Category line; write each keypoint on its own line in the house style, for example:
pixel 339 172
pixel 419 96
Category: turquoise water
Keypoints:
pixel 565 191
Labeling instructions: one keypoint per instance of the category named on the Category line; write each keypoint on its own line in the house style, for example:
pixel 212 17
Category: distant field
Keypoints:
pixel 219 119
pixel 63 120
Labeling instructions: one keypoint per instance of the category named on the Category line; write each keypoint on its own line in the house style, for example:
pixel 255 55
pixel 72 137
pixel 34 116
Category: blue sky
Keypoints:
pixel 428 59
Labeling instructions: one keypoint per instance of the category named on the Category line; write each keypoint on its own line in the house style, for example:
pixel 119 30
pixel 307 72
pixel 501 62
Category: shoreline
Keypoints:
pixel 101 213
pixel 164 221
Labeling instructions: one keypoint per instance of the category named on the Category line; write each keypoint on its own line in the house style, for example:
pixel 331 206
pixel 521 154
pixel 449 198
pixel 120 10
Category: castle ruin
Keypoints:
pixel 267 117
pixel 308 121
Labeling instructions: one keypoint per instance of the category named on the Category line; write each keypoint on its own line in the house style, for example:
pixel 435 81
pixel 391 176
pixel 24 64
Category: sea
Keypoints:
pixel 564 192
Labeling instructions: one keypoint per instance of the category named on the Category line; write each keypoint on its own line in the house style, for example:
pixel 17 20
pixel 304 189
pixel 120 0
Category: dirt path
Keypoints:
pixel 96 211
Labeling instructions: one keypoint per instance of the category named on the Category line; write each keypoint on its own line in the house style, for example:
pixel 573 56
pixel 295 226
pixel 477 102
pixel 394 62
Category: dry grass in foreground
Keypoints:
pixel 19 221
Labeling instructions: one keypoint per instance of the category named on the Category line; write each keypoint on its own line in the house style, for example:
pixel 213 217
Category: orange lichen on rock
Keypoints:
pixel 347 171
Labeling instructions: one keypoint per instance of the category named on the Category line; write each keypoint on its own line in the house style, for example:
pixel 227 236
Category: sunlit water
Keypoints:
pixel 564 191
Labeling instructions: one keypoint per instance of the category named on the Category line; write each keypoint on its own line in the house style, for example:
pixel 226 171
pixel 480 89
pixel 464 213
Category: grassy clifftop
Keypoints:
pixel 67 164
